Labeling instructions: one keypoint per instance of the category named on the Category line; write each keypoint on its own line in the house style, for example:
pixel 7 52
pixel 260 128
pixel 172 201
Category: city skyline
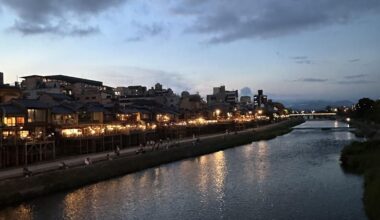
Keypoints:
pixel 294 50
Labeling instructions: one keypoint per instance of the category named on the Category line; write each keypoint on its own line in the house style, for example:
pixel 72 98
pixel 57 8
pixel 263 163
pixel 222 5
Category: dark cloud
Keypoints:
pixel 59 29
pixel 144 31
pixel 246 91
pixel 311 80
pixel 61 17
pixel 227 21
pixel 356 76
pixel 354 60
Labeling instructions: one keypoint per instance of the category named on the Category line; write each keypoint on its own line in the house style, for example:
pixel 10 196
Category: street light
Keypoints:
pixel 217 113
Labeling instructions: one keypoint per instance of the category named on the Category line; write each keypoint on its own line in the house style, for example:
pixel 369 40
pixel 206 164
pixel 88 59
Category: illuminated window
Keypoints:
pixel 13 121
pixel 10 121
pixel 24 134
pixel 123 117
pixel 20 120
pixel 36 115
pixel 7 134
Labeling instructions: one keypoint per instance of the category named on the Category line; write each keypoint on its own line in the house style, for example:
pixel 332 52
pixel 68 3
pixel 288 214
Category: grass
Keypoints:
pixel 364 159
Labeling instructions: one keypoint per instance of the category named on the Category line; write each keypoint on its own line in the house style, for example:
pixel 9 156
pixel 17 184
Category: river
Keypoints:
pixel 295 176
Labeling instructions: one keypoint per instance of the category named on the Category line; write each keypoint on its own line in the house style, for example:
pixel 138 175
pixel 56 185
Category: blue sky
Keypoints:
pixel 290 48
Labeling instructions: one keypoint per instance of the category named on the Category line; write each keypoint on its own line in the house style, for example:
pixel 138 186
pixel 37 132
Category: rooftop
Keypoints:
pixel 71 79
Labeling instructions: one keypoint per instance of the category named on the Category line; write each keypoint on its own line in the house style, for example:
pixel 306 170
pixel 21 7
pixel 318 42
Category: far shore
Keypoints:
pixel 50 177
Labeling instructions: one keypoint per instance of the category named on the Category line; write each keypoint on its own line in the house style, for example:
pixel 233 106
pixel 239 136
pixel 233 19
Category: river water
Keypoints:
pixel 295 176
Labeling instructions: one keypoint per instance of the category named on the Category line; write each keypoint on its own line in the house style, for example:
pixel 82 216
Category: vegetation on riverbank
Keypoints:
pixel 364 159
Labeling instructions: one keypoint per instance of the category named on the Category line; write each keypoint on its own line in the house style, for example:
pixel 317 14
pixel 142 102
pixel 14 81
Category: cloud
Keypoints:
pixel 354 60
pixel 144 31
pixel 246 91
pixel 356 79
pixel 120 76
pixel 301 59
pixel 58 17
pixel 223 22
pixel 313 80
pixel 62 29
pixel 348 82
pixel 356 76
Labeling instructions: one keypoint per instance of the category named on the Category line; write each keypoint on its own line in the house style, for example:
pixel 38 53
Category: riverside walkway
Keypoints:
pixel 78 160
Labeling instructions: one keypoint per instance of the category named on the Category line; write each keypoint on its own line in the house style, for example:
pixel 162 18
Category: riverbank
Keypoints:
pixel 366 129
pixel 363 158
pixel 20 189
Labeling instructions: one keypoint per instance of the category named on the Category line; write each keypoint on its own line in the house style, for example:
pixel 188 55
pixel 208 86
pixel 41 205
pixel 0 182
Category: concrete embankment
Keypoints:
pixel 20 189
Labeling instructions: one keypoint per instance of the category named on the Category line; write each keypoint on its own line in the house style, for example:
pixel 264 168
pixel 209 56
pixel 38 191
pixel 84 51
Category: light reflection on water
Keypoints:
pixel 21 212
pixel 295 176
pixel 262 165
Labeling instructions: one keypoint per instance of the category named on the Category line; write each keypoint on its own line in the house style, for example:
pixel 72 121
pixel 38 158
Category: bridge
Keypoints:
pixel 326 128
pixel 315 115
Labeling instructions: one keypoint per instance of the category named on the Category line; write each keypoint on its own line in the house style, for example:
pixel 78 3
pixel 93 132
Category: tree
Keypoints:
pixel 364 108
pixel 375 115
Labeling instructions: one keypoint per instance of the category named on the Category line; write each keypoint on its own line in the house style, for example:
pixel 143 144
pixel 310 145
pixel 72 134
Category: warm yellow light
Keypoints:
pixel 71 132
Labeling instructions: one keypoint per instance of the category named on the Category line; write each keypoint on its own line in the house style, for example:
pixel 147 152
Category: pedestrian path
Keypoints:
pixel 78 160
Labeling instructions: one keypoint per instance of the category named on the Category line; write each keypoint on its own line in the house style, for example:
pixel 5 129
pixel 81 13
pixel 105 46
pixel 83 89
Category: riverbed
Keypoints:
pixel 294 176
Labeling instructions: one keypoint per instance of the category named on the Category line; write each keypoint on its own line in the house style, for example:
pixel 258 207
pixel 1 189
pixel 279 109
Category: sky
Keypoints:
pixel 293 49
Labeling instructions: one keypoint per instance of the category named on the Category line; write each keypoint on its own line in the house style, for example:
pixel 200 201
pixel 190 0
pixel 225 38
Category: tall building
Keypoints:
pixel 1 78
pixel 222 96
pixel 260 100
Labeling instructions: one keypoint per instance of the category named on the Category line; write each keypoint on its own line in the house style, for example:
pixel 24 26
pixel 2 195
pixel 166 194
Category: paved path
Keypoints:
pixel 78 160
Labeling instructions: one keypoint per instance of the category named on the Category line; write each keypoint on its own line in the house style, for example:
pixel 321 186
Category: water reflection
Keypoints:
pixel 203 178
pixel 219 165
pixel 212 185
pixel 336 124
pixel 262 164
pixel 21 212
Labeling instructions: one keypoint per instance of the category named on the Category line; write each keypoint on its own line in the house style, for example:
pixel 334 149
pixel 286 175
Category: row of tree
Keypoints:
pixel 367 109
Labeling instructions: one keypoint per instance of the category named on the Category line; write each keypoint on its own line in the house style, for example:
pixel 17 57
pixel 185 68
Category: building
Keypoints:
pixel 26 135
pixel 158 94
pixel 83 90
pixel 8 93
pixel 192 106
pixel 1 78
pixel 245 100
pixel 132 91
pixel 221 95
pixel 260 100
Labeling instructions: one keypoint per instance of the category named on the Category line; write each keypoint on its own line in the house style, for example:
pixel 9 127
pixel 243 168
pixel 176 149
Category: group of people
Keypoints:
pixel 160 143
pixel 155 145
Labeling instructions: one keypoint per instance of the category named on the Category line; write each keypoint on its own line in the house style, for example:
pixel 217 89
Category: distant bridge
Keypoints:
pixel 315 115
pixel 326 128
